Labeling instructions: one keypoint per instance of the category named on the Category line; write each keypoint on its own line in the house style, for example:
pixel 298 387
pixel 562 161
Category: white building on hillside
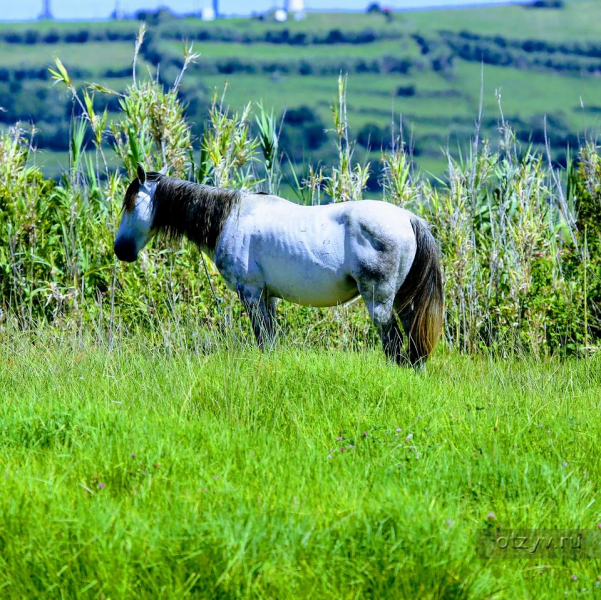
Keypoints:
pixel 295 8
pixel 208 13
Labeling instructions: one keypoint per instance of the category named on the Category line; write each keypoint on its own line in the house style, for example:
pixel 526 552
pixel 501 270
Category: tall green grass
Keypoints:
pixel 146 472
pixel 520 272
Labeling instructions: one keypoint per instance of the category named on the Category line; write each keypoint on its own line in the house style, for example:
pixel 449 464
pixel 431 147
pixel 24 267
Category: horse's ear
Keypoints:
pixel 163 171
pixel 141 174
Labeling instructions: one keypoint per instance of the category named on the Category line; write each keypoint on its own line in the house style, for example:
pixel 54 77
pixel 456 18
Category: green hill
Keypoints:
pixel 424 67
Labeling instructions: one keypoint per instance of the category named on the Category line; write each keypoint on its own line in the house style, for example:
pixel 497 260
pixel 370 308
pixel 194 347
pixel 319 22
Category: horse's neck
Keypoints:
pixel 196 211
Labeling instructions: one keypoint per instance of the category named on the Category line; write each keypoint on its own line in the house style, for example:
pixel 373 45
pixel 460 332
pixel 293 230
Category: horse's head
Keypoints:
pixel 139 209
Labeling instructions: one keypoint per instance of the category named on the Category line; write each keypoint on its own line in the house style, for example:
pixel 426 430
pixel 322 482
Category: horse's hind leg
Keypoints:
pixel 406 316
pixel 261 316
pixel 380 305
pixel 392 341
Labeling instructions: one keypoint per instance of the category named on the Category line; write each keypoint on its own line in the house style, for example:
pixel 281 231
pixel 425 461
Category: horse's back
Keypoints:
pixel 315 255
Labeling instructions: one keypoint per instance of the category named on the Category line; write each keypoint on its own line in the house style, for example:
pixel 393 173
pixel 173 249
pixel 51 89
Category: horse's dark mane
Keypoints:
pixel 184 208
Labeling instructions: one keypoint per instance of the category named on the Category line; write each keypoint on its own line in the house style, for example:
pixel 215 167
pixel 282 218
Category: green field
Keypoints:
pixel 93 56
pixel 579 20
pixel 439 113
pixel 142 473
pixel 371 97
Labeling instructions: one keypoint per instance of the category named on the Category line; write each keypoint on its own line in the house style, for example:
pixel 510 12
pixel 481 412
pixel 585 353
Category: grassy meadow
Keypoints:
pixel 304 472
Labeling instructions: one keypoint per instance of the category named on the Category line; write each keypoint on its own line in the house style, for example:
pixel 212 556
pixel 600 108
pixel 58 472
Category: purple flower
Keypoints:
pixel 398 429
pixel 574 577
pixel 339 438
pixel 100 484
pixel 342 449
pixel 564 463
pixel 364 434
pixel 491 516
pixel 448 522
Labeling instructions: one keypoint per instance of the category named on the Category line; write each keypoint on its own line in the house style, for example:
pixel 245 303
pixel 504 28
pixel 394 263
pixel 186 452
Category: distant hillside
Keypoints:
pixel 425 66
pixel 102 9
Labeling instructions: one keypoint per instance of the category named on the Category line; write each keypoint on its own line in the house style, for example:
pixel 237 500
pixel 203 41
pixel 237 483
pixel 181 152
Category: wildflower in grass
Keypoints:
pixel 448 522
pixel 398 429
pixel 342 449
pixel 409 437
pixel 339 438
pixel 564 463
pixel 215 477
pixel 364 434
pixel 100 485
pixel 599 525
pixel 491 516
pixel 574 577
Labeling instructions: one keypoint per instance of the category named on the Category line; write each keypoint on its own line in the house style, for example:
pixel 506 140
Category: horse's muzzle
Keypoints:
pixel 125 250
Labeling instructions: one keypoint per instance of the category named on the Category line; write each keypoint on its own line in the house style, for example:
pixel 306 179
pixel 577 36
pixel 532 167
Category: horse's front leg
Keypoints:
pixel 261 312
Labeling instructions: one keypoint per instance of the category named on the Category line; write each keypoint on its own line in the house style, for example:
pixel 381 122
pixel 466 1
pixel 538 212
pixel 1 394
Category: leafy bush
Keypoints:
pixel 372 136
pixel 547 4
pixel 304 130
pixel 405 91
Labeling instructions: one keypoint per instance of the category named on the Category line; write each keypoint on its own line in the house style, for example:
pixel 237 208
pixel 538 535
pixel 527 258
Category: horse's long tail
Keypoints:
pixel 419 301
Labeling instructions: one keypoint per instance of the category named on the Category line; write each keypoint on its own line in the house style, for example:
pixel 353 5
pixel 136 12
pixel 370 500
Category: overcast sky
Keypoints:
pixel 100 9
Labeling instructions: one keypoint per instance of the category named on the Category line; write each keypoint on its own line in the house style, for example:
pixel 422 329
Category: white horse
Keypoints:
pixel 267 248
